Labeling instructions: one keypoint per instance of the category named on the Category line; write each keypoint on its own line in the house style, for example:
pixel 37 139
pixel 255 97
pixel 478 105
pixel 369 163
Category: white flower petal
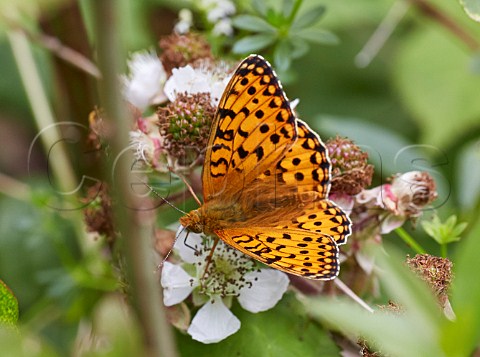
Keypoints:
pixel 268 287
pixel 391 222
pixel 223 27
pixel 186 79
pixel 213 322
pixel 344 201
pixel 187 251
pixel 294 103
pixel 146 79
pixel 176 283
pixel 196 80
pixel 369 195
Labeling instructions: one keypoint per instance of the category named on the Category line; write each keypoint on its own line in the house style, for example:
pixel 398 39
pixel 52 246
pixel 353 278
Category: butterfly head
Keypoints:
pixel 193 221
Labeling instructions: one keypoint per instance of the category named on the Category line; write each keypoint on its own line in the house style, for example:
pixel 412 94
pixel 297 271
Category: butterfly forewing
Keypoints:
pixel 253 128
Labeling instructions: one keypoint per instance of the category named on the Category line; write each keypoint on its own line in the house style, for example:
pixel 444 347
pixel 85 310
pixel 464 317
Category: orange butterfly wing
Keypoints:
pixel 253 127
pixel 266 178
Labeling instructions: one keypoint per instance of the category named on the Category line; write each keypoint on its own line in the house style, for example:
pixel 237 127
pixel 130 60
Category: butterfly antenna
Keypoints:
pixel 188 186
pixel 171 249
pixel 163 198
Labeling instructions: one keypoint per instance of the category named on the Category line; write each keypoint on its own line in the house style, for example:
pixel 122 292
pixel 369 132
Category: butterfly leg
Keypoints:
pixel 188 245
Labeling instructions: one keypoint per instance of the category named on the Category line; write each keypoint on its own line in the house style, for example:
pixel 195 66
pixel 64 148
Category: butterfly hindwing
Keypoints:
pixel 324 216
pixel 308 254
pixel 253 127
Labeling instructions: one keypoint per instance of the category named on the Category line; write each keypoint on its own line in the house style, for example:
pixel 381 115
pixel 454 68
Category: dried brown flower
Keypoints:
pixel 436 271
pixel 98 213
pixel 180 50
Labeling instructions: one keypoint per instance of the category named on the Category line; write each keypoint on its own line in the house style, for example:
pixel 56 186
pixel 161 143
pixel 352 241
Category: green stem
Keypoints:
pixel 408 239
pixel 134 223
pixel 46 124
pixel 443 250
pixel 296 7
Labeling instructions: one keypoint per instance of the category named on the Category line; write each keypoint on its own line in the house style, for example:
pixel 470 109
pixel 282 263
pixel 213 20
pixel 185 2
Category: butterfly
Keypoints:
pixel 266 178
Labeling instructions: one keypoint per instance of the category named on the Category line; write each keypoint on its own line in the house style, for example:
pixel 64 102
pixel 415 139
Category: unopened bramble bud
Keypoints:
pixel 413 191
pixel 351 172
pixel 185 126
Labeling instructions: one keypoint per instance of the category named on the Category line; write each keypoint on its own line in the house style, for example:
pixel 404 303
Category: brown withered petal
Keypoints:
pixel 351 172
pixel 98 213
pixel 367 351
pixel 392 307
pixel 180 50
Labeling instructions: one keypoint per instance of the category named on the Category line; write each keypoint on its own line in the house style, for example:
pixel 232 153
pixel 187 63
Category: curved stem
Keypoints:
pixel 407 238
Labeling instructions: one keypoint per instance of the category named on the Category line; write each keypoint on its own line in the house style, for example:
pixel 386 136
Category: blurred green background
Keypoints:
pixel 416 106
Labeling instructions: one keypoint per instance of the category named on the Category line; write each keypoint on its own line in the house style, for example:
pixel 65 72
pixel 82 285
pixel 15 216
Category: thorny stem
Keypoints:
pixel 446 21
pixel 66 53
pixel 136 231
pixel 393 18
pixel 408 239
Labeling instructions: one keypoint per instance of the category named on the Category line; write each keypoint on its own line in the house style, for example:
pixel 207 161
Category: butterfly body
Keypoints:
pixel 266 178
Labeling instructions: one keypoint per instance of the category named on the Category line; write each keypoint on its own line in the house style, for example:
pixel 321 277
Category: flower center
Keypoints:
pixel 225 272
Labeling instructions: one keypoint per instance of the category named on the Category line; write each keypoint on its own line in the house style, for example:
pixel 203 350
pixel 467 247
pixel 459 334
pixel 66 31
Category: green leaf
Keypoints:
pixel 460 338
pixel 287 7
pixel 320 36
pixel 432 75
pixel 475 64
pixel 252 23
pixel 284 330
pixel 472 8
pixel 446 232
pixel 253 43
pixel 260 7
pixel 309 17
pixel 414 332
pixel 299 47
pixel 468 175
pixel 8 305
pixel 282 56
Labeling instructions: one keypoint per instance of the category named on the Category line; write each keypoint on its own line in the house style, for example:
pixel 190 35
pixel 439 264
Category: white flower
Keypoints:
pixel 217 9
pixel 223 27
pixel 196 80
pixel 144 84
pixel 147 144
pixel 185 22
pixel 229 274
pixel 218 13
